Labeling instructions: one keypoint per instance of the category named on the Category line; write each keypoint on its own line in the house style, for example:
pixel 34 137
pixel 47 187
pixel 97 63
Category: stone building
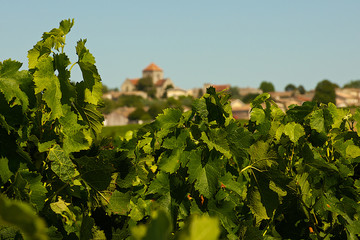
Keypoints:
pixel 156 74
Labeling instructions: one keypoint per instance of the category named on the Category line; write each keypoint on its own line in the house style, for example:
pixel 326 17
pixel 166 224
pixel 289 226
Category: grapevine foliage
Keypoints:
pixel 192 175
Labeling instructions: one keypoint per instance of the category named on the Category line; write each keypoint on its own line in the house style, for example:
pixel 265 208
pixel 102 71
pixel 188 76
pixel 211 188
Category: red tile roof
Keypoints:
pixel 152 67
pixel 160 82
pixel 220 88
pixel 134 81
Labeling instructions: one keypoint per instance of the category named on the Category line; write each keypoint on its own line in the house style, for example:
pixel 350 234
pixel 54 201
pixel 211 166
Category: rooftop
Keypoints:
pixel 152 67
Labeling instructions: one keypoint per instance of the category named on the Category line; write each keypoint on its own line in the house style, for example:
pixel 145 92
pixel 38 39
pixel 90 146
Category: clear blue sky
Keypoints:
pixel 235 42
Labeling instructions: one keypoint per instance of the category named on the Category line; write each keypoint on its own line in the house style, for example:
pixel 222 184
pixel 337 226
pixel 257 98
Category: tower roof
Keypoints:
pixel 152 67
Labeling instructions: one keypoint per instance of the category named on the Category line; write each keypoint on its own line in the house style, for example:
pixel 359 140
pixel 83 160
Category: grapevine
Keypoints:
pixel 186 175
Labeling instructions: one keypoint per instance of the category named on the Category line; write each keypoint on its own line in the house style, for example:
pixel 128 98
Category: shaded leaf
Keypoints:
pixel 201 228
pixel 22 216
pixel 61 164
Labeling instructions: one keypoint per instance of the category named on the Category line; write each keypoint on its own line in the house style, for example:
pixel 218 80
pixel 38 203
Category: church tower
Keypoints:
pixel 154 72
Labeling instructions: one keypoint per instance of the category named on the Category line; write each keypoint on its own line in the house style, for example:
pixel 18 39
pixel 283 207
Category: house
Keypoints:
pixel 218 88
pixel 118 117
pixel 240 110
pixel 347 97
pixel 112 95
pixel 176 93
pixel 246 91
pixel 285 99
pixel 152 71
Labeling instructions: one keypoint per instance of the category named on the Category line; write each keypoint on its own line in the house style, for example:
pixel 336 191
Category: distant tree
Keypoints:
pixel 353 84
pixel 155 110
pixel 325 92
pixel 234 92
pixel 173 103
pixel 267 86
pixel 139 114
pixel 290 87
pixel 249 97
pixel 301 89
pixel 156 107
pixel 105 88
pixel 170 86
pixel 130 101
pixel 146 85
pixel 186 101
pixel 107 106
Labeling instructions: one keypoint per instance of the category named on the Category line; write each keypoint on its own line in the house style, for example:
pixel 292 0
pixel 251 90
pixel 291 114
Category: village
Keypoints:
pixel 153 85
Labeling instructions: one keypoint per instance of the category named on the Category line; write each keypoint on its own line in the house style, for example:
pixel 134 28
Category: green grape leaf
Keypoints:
pixel 277 189
pixel 20 187
pixel 87 225
pixel 205 178
pixel 357 120
pixel 170 162
pixel 66 25
pixel 119 203
pixel 37 189
pixel 5 125
pixel 167 120
pixel 277 129
pixel 201 228
pixel 53 39
pixel 43 147
pixel 256 103
pixel 199 106
pixel 306 191
pixel 76 136
pixel 338 115
pixel 9 68
pixel 160 185
pixel 217 139
pixel 159 228
pixel 62 165
pixel 176 142
pixel 139 209
pixel 48 86
pixel 239 137
pixel 22 215
pixel 56 37
pixel 294 131
pixel 261 155
pixel 277 113
pixel 317 121
pixel 352 151
pixel 256 205
pixel 71 222
pixel 61 62
pixel 95 171
pixel 92 117
pixel 9 233
pixel 224 211
pixel 257 115
pixel 34 55
pixel 91 87
pixel 5 172
pixel 229 183
pixel 10 81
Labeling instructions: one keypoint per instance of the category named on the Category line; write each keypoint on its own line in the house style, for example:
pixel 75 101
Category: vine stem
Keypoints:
pixel 308 215
pixel 72 66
